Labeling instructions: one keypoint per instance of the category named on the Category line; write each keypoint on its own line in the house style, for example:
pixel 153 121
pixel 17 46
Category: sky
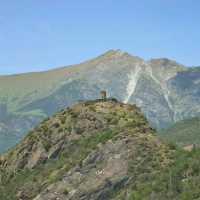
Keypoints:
pixel 38 35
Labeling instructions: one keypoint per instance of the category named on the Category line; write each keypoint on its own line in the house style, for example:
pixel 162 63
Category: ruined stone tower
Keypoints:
pixel 103 95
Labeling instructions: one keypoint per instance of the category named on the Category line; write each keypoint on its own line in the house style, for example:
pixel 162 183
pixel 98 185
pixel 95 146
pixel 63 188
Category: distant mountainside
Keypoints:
pixel 185 132
pixel 98 150
pixel 165 90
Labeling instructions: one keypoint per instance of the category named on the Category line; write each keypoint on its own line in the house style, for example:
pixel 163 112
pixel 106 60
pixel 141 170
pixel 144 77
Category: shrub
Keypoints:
pixel 65 192
pixel 60 130
pixel 56 125
pixel 62 119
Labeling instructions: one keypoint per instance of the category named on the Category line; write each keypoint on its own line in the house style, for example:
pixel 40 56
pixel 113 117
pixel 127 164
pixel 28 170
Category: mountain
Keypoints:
pixel 165 91
pixel 98 150
pixel 184 133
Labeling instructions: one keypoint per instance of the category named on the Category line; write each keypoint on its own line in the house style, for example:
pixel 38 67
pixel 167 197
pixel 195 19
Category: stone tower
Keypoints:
pixel 103 95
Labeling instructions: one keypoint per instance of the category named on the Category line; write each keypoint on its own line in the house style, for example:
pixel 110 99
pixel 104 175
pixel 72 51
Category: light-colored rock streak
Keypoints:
pixel 133 79
pixel 165 90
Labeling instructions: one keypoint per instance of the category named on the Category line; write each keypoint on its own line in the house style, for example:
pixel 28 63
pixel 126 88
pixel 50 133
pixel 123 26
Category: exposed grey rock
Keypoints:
pixel 101 172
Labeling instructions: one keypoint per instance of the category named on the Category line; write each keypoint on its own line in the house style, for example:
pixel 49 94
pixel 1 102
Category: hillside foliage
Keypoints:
pixel 98 150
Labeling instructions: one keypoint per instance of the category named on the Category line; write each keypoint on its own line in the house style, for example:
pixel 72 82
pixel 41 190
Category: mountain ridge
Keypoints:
pixel 111 52
pixel 27 99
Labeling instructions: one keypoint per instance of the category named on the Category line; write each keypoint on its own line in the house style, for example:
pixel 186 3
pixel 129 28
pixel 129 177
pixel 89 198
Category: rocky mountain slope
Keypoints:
pixel 165 90
pixel 97 150
pixel 185 132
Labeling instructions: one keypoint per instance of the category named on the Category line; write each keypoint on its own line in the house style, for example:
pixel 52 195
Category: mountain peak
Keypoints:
pixel 116 52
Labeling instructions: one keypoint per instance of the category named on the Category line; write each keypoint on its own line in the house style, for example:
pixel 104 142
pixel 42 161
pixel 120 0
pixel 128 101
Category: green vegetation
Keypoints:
pixel 179 181
pixel 28 87
pixel 103 143
pixel 185 132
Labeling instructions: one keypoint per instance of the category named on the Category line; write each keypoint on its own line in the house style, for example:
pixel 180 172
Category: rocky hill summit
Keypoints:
pixel 94 150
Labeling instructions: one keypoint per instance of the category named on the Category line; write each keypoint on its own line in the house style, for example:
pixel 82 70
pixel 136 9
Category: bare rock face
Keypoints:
pixel 37 155
pixel 91 151
pixel 100 172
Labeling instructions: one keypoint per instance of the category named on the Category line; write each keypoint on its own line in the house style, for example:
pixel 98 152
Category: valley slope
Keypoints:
pixel 186 132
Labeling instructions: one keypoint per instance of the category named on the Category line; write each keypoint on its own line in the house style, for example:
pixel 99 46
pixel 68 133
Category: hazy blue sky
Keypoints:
pixel 42 34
